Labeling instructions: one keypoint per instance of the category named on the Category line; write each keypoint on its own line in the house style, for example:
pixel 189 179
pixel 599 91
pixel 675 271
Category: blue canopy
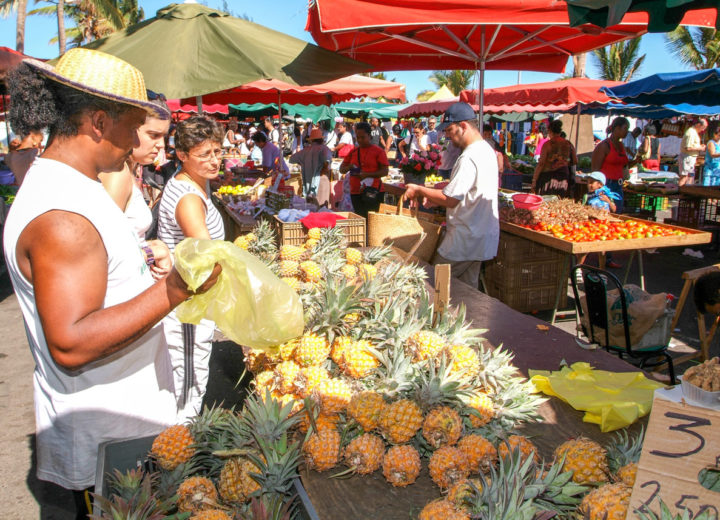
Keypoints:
pixel 650 111
pixel 700 87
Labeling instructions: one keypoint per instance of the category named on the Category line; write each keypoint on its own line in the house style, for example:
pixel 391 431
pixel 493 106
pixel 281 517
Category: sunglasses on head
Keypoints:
pixel 152 96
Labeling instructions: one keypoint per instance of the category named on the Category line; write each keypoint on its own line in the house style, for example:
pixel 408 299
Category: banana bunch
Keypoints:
pixel 433 179
pixel 234 190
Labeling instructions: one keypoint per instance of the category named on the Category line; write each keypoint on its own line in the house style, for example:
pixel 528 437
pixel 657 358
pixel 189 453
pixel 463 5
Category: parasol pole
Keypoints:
pixel 7 126
pixel 481 80
pixel 198 102
pixel 577 127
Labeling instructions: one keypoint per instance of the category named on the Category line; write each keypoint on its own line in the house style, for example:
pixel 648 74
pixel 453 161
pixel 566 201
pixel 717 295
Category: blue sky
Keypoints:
pixel 289 16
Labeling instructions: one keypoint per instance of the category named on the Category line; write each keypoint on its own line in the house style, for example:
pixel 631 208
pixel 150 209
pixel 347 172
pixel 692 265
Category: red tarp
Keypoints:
pixel 274 91
pixel 553 96
pixel 427 108
pixel 460 34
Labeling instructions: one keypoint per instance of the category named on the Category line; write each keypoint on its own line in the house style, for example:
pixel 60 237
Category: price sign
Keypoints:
pixel 681 440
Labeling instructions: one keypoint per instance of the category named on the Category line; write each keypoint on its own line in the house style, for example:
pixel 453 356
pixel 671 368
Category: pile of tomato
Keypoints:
pixel 605 230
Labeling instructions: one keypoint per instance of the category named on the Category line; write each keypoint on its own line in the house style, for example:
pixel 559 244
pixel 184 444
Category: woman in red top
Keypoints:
pixel 611 158
pixel 365 161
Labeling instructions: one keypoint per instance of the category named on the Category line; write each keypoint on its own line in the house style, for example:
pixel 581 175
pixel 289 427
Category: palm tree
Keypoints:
pixel 697 47
pixel 619 61
pixel 62 40
pixel 424 95
pixel 377 75
pixel 6 7
pixel 455 80
pixel 579 61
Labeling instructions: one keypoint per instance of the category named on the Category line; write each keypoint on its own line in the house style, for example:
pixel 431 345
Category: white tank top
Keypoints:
pixel 138 212
pixel 128 394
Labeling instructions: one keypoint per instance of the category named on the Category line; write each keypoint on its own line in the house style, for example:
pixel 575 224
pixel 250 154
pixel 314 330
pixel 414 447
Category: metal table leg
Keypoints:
pixel 565 268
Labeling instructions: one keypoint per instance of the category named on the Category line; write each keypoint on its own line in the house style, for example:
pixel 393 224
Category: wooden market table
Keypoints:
pixel 371 497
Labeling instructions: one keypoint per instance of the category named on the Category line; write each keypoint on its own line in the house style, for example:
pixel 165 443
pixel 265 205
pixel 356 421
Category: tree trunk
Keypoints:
pixel 61 25
pixel 20 30
pixel 579 65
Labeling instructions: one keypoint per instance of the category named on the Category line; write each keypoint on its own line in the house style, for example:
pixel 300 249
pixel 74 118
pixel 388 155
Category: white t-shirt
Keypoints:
pixel 274 136
pixel 413 142
pixel 473 226
pixel 330 139
pixel 125 395
pixel 346 138
pixel 138 213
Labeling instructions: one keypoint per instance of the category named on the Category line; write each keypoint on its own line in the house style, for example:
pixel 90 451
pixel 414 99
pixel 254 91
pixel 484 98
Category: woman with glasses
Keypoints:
pixel 416 142
pixel 187 211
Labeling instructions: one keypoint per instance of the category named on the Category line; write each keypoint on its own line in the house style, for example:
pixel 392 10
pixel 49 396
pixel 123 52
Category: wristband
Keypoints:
pixel 149 256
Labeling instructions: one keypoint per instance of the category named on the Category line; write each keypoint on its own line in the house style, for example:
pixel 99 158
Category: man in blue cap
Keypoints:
pixel 471 198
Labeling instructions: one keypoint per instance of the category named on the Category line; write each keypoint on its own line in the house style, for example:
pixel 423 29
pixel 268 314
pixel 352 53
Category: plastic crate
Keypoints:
pixel 694 212
pixel 659 333
pixel 295 234
pixel 130 454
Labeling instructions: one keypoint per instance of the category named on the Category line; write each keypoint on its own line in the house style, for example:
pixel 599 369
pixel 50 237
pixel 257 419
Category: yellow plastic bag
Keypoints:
pixel 249 304
pixel 612 400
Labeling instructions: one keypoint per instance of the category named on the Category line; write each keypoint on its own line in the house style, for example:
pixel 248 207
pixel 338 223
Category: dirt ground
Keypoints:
pixel 24 497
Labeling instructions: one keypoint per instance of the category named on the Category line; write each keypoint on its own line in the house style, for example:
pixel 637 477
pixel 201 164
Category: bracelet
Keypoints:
pixel 149 256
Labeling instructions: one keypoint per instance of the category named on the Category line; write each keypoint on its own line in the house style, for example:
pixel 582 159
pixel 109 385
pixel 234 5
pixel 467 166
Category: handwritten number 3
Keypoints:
pixel 695 422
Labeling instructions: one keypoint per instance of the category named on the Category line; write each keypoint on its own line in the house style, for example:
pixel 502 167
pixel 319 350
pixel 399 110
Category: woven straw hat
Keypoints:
pixel 101 75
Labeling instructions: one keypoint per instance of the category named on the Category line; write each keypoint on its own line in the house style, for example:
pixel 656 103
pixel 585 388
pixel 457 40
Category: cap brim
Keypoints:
pixel 49 71
pixel 442 126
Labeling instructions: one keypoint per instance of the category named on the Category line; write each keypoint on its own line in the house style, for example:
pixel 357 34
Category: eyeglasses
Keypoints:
pixel 152 96
pixel 217 153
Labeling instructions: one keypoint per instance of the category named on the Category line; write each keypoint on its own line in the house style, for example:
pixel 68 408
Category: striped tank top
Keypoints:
pixel 168 229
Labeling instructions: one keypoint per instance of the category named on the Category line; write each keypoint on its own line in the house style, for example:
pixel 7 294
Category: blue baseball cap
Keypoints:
pixel 597 176
pixel 456 113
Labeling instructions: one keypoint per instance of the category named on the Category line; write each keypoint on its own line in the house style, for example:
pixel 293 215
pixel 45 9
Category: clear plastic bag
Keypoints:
pixel 249 304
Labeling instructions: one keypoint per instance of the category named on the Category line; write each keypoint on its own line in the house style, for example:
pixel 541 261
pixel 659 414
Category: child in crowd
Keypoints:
pixel 599 196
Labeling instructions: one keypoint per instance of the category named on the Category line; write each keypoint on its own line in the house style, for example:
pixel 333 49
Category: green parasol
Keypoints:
pixel 315 112
pixel 664 15
pixel 190 50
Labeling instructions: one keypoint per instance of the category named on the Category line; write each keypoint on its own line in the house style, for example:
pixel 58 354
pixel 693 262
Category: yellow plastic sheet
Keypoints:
pixel 612 400
pixel 249 304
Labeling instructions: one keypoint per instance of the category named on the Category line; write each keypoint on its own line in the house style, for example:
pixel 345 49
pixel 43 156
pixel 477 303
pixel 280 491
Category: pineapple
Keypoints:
pixel 310 243
pixel 322 450
pixel 358 360
pixel 288 268
pixel 242 242
pixel 481 409
pixel 442 427
pixel 294 283
pixel 322 422
pixel 586 458
pixel 353 256
pixel 295 253
pixel 351 319
pixel 256 360
pixel 339 345
pixel 464 360
pixel 236 483
pixel 311 271
pixel 333 395
pixel 173 446
pixel 366 408
pixel 479 452
pixel 400 421
pixel 424 345
pixel 462 491
pixel 441 509
pixel 285 374
pixel 447 466
pixel 364 454
pixel 627 473
pixel 211 514
pixel 520 443
pixel 623 455
pixel 609 502
pixel 196 494
pixel 367 271
pixel 286 351
pixel 265 380
pixel 401 465
pixel 308 378
pixel 314 233
pixel 312 349
pixel 350 271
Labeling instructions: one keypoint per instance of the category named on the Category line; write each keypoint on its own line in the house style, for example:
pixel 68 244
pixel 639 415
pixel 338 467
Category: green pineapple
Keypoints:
pixel 623 455
pixel 132 498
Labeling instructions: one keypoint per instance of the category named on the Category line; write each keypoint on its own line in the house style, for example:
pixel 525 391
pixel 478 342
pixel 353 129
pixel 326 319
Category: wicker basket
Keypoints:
pixel 295 234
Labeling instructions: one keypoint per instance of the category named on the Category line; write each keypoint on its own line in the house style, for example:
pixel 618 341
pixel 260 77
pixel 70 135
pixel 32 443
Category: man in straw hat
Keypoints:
pixel 471 198
pixel 89 303
pixel 314 161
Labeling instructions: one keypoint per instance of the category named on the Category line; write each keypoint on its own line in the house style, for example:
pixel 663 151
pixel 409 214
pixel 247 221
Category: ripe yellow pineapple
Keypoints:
pixel 353 256
pixel 242 242
pixel 311 271
pixel 235 483
pixel 211 514
pixel 251 237
pixel 288 268
pixel 447 466
pixel 265 381
pixel 173 446
pixel 484 408
pixel 366 408
pixel 400 421
pixel 367 271
pixel 351 318
pixel 286 351
pixel 196 494
pixel 464 360
pixel 350 271
pixel 310 243
pixel 401 465
pixel 314 233
pixel 365 453
pixel 358 360
pixel 628 473
pixel 424 345
pixel 338 348
pixel 442 427
pixel 308 378
pixel 256 360
pixel 312 349
pixel 586 458
pixel 322 450
pixel 609 502
pixel 520 443
pixel 285 374
pixel 479 452
pixel 442 509
pixel 322 422
pixel 333 395
pixel 288 252
pixel 462 490
pixel 294 283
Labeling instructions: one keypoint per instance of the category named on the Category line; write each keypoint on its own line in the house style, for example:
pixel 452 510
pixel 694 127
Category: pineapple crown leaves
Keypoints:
pixel 666 514
pixel 266 420
pixel 496 368
pixel 136 501
pixel 436 385
pixel 278 467
pixel 376 254
pixel 555 490
pixel 325 312
pixel 517 402
pixel 169 481
pixel 271 507
pixel 624 449
pixel 453 327
pixel 394 375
